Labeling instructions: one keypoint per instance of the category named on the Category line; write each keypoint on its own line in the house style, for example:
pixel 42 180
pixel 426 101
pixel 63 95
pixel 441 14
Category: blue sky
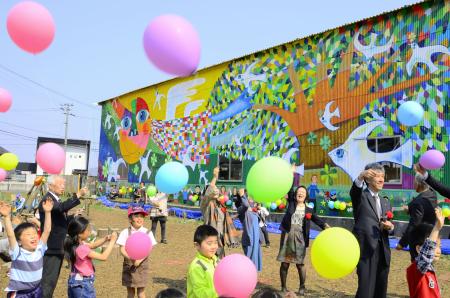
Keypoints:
pixel 97 54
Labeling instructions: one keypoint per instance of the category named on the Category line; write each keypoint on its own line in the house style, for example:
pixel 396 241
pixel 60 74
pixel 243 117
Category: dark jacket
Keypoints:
pixel 438 186
pixel 421 210
pixel 367 228
pixel 306 226
pixel 60 222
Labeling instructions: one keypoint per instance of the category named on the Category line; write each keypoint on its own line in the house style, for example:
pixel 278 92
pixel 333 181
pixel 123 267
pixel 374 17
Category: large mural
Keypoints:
pixel 314 102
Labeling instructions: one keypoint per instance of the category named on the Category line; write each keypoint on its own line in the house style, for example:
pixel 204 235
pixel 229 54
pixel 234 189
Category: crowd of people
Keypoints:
pixel 37 251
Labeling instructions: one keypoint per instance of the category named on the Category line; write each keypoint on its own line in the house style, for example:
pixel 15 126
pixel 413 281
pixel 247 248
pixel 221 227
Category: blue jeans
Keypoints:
pixel 81 288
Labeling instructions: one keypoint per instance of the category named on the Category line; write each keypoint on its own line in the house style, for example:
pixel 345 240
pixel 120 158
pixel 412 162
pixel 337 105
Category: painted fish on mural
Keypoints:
pixel 423 55
pixel 239 105
pixel 325 116
pixel 371 49
pixel 354 154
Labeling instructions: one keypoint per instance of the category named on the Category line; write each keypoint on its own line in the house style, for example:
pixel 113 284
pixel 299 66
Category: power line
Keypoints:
pixel 17 134
pixel 39 131
pixel 45 87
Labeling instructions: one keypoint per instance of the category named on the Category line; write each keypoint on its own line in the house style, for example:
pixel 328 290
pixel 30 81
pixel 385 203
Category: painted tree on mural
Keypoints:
pixel 301 78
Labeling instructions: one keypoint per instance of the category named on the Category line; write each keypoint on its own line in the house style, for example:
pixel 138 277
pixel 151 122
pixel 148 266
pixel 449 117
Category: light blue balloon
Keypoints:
pixel 410 113
pixel 331 204
pixel 273 206
pixel 171 178
pixel 311 205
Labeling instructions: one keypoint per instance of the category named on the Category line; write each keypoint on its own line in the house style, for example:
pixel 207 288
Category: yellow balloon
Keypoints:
pixel 446 212
pixel 334 242
pixel 8 161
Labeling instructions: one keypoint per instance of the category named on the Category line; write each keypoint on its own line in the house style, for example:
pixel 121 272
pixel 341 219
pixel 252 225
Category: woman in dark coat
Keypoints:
pixel 295 228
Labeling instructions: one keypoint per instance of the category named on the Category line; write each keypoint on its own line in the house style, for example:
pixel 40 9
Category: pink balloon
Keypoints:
pixel 432 160
pixel 51 158
pixel 30 25
pixel 138 246
pixel 225 198
pixel 172 45
pixel 235 276
pixel 2 175
pixel 5 100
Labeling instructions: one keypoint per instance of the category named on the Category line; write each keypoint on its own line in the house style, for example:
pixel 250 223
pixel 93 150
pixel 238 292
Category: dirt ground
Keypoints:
pixel 169 264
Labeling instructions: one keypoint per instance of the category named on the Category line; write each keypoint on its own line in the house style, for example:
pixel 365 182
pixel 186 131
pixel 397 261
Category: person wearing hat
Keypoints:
pixel 135 273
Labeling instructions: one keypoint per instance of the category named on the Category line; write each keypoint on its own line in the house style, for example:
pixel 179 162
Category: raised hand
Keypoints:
pixel 439 218
pixel 419 169
pixel 113 237
pixel 216 172
pixel 5 209
pixel 47 205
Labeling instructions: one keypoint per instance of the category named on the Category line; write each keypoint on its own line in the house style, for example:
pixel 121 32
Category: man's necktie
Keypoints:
pixel 378 205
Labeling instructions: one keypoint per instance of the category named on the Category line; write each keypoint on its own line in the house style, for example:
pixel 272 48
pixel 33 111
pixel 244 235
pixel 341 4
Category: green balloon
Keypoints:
pixel 337 205
pixel 151 190
pixel 8 161
pixel 269 179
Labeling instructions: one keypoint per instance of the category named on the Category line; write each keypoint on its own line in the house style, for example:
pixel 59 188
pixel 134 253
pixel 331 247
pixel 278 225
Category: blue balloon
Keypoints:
pixel 171 178
pixel 311 205
pixel 410 113
pixel 331 204
pixel 273 206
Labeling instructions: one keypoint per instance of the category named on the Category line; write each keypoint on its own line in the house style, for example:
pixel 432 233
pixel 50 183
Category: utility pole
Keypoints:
pixel 66 108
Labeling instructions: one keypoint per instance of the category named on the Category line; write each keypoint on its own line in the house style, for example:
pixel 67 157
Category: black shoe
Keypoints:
pixel 301 292
pixel 164 241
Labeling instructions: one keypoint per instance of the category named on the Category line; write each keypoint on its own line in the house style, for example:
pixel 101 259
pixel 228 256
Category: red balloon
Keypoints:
pixel 30 25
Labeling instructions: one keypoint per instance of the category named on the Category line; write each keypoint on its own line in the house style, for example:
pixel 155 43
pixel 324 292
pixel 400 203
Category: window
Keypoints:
pixel 384 145
pixel 230 169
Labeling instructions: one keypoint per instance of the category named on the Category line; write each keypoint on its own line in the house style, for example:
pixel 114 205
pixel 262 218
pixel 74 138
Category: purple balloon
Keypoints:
pixel 432 160
pixel 172 45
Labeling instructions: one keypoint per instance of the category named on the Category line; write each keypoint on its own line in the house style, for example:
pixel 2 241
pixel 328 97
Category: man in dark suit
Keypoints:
pixel 421 210
pixel 54 255
pixel 371 230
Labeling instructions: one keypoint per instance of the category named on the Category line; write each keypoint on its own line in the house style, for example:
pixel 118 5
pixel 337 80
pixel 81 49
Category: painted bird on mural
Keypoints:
pixel 287 157
pixel 354 154
pixel 248 77
pixel 423 55
pixel 371 49
pixel 180 94
pixel 325 116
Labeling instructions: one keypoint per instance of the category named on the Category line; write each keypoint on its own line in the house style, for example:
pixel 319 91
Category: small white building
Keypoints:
pixel 77 155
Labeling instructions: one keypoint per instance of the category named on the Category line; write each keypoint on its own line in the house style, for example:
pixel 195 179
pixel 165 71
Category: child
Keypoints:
pixel 313 191
pixel 201 270
pixel 79 253
pixel 262 215
pixel 420 274
pixel 27 253
pixel 170 293
pixel 134 272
